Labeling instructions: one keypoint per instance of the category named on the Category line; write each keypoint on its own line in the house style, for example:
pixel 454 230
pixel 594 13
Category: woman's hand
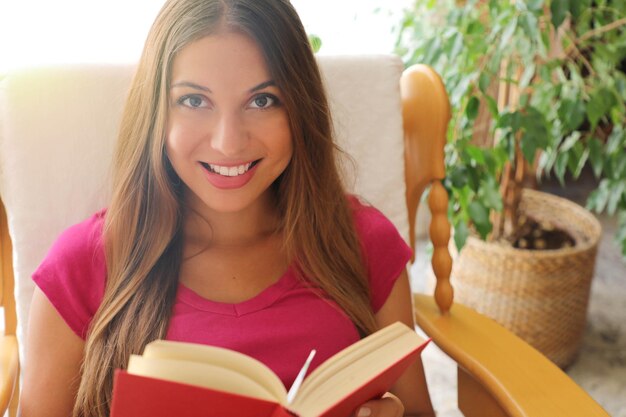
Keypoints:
pixel 388 406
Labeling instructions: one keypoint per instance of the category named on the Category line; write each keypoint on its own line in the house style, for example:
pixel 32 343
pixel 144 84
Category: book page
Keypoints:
pixel 342 359
pixel 355 366
pixel 224 358
pixel 198 374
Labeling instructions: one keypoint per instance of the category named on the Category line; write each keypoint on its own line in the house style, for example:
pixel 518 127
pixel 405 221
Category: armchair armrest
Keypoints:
pixel 9 370
pixel 497 366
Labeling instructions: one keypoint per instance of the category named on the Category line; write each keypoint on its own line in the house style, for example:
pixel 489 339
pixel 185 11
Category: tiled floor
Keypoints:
pixel 600 368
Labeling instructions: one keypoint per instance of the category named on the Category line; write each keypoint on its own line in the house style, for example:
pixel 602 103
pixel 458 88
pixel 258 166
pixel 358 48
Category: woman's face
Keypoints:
pixel 228 135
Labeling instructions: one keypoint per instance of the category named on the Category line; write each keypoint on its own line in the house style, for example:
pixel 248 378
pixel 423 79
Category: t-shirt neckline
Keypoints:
pixel 262 300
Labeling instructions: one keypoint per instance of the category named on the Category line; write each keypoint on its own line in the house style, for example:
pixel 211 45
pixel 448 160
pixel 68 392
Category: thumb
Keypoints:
pixel 388 406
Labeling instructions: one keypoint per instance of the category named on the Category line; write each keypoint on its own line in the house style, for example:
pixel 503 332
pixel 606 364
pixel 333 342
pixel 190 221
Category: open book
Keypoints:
pixel 189 380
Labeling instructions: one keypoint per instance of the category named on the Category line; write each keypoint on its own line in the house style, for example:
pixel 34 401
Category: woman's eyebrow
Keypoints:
pixel 262 86
pixel 192 85
pixel 203 88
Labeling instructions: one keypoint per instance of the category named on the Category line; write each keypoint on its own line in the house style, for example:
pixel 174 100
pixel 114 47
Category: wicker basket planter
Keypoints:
pixel 542 296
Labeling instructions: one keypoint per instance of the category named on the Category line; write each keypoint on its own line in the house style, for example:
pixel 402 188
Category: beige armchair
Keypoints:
pixel 57 128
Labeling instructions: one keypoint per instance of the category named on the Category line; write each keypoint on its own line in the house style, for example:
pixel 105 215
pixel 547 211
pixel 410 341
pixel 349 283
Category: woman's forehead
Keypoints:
pixel 221 58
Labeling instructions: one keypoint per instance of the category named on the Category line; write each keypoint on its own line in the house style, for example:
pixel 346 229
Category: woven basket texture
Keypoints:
pixel 541 296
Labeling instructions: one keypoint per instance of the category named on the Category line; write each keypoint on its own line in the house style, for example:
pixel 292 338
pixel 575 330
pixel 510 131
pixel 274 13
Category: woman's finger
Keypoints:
pixel 388 406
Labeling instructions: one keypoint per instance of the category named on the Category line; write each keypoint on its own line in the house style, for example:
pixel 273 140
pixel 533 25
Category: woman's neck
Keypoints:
pixel 205 227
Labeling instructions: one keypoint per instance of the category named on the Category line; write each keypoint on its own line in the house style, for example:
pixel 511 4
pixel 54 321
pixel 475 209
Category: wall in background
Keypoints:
pixel 44 32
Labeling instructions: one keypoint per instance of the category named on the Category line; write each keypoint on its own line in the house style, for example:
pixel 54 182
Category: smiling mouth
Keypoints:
pixel 232 171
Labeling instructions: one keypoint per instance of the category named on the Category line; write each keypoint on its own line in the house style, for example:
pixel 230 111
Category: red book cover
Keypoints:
pixel 139 396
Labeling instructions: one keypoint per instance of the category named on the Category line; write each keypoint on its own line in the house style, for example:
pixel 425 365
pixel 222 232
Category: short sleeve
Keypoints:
pixel 73 273
pixel 385 252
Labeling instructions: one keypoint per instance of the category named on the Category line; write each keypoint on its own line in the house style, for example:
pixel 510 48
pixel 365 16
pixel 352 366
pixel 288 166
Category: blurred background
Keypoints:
pixel 41 32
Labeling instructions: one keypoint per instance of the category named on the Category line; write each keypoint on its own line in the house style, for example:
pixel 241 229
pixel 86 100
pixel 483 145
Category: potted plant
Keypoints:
pixel 537 88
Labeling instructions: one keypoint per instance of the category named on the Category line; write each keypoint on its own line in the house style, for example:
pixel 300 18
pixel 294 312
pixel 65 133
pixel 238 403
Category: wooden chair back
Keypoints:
pixel 9 357
pixel 498 374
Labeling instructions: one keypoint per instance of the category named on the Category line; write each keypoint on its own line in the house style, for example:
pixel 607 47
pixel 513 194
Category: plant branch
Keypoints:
pixel 602 29
pixel 574 48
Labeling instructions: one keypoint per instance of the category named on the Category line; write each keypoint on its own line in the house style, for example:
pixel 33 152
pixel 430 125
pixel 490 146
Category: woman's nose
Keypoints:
pixel 229 137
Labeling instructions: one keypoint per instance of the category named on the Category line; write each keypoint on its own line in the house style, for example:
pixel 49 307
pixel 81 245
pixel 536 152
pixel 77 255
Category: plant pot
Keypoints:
pixel 540 295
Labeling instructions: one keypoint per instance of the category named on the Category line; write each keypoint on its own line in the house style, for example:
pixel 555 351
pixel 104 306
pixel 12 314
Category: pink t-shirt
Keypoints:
pixel 279 326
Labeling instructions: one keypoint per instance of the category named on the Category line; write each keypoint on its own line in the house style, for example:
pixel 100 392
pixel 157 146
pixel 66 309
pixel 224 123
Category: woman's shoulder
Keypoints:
pixel 81 238
pixel 73 273
pixel 385 252
pixel 367 218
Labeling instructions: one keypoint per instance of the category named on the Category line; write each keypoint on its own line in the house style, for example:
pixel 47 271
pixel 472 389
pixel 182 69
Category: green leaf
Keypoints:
pixel 457 46
pixel 535 136
pixel 475 28
pixel 489 194
pixel 560 166
pixel 529 146
pixel 559 9
pixel 463 196
pixel 461 232
pixel 620 169
pixel 572 113
pixel 595 156
pixel 472 108
pixel 615 196
pixel 615 139
pixel 316 42
pixel 599 197
pixel 501 155
pixel 535 5
pixel 600 103
pixel 521 6
pixel 509 120
pixel 480 218
pixel 582 160
pixel 577 7
pixel 458 177
pixel 484 81
pixel 508 33
pixel 491 163
pixel 544 72
pixel 476 154
pixel 529 23
pixel 491 105
pixel 527 76
pixel 570 141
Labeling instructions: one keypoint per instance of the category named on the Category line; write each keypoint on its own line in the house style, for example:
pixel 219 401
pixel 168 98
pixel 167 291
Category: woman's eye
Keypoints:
pixel 263 101
pixel 193 101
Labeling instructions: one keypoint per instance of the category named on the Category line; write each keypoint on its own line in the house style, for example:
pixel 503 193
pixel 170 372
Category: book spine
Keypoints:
pixel 283 412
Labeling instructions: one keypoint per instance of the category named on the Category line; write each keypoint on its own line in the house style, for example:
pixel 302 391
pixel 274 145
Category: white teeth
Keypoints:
pixel 230 171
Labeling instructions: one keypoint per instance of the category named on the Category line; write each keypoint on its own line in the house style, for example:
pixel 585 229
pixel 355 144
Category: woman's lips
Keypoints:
pixel 231 170
pixel 229 177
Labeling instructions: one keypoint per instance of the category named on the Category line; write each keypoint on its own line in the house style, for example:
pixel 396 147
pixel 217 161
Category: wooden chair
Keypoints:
pixel 57 126
pixel 9 358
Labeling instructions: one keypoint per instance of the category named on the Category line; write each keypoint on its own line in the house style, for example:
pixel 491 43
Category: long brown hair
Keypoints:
pixel 143 226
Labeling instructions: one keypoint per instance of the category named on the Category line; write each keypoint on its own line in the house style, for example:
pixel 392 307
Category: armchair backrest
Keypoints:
pixel 58 129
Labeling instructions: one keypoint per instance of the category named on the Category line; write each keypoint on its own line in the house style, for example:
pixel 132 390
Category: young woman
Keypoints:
pixel 228 223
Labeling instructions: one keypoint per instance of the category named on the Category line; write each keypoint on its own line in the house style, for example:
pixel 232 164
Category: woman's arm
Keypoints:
pixel 53 358
pixel 410 391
